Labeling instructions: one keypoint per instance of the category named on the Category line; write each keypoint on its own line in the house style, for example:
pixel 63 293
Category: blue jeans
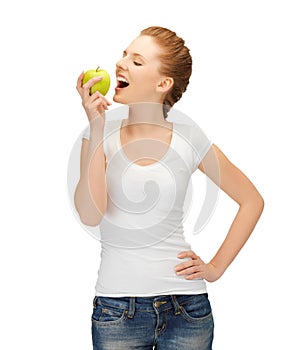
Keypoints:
pixel 165 322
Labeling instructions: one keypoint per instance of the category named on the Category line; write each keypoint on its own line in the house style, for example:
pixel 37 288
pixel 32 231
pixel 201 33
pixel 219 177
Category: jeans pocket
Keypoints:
pixel 197 308
pixel 108 314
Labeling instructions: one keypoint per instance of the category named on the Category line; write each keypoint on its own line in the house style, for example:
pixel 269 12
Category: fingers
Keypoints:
pixel 187 254
pixel 193 268
pixel 184 267
pixel 80 81
pixel 195 275
pixel 92 82
pixel 97 101
pixel 188 270
pixel 85 89
pixel 97 95
pixel 192 271
pixel 96 104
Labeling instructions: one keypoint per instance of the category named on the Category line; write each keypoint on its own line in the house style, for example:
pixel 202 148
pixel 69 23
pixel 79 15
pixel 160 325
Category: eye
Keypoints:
pixel 137 63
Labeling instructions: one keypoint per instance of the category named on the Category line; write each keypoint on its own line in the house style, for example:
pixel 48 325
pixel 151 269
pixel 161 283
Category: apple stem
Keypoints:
pixel 98 68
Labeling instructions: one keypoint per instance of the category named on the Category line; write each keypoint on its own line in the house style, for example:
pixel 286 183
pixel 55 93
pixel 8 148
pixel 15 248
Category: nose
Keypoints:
pixel 121 64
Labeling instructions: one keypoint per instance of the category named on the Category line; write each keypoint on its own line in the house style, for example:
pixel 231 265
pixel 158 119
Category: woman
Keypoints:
pixel 146 296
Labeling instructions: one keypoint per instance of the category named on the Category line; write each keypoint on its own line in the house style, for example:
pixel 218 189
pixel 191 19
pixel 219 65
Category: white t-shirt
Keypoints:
pixel 142 231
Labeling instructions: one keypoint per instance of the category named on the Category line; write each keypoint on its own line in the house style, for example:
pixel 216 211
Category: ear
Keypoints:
pixel 165 84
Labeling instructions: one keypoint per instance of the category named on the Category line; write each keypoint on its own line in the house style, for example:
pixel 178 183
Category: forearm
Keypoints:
pixel 243 225
pixel 91 192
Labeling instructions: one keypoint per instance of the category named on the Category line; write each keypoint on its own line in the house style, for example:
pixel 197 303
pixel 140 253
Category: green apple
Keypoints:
pixel 101 86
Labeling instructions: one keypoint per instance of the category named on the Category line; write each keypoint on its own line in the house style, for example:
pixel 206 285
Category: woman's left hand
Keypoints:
pixel 196 268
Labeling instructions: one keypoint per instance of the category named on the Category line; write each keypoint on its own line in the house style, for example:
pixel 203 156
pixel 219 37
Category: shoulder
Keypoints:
pixel 193 141
pixel 192 133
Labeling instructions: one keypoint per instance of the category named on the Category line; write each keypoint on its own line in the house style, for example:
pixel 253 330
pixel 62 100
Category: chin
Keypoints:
pixel 125 100
pixel 121 99
pixel 117 99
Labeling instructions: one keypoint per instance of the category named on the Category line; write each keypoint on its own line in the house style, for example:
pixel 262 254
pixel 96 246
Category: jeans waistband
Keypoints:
pixel 156 303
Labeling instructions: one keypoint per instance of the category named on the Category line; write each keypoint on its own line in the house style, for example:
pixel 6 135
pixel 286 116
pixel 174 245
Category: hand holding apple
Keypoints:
pixel 94 104
pixel 103 85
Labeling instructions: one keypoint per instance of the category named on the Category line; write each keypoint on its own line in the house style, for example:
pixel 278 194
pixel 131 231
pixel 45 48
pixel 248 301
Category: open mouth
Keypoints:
pixel 122 82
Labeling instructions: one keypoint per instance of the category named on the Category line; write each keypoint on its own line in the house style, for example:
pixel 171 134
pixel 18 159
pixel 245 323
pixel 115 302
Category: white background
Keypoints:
pixel 237 95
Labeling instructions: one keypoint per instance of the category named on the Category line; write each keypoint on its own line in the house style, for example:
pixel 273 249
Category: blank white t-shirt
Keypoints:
pixel 142 230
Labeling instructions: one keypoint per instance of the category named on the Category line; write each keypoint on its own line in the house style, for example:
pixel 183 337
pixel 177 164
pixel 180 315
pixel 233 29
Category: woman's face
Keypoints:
pixel 138 77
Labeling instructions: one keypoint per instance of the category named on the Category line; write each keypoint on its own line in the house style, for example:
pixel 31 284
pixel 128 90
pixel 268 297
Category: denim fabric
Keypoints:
pixel 166 322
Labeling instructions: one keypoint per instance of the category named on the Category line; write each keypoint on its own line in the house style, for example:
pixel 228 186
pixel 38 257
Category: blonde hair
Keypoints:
pixel 176 62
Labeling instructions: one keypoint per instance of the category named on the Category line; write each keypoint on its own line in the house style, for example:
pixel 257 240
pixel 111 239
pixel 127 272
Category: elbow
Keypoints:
pixel 254 203
pixel 258 202
pixel 90 215
pixel 89 221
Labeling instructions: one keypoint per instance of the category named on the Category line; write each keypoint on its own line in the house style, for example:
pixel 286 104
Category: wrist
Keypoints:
pixel 98 119
pixel 97 124
pixel 218 270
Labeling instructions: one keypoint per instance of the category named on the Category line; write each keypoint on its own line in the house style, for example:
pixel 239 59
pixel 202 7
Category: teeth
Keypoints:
pixel 122 80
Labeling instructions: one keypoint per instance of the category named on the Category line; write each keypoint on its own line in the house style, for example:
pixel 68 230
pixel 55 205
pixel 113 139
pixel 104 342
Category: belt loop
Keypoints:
pixel 176 305
pixel 95 301
pixel 131 307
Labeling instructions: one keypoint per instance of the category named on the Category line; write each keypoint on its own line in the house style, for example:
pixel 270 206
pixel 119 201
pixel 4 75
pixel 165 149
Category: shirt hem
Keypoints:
pixel 174 292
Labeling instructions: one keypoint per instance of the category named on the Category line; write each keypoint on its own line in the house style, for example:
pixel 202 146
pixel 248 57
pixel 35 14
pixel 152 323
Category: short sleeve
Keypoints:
pixel 200 143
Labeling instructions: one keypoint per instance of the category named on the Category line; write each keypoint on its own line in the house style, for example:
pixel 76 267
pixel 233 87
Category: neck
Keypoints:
pixel 143 117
